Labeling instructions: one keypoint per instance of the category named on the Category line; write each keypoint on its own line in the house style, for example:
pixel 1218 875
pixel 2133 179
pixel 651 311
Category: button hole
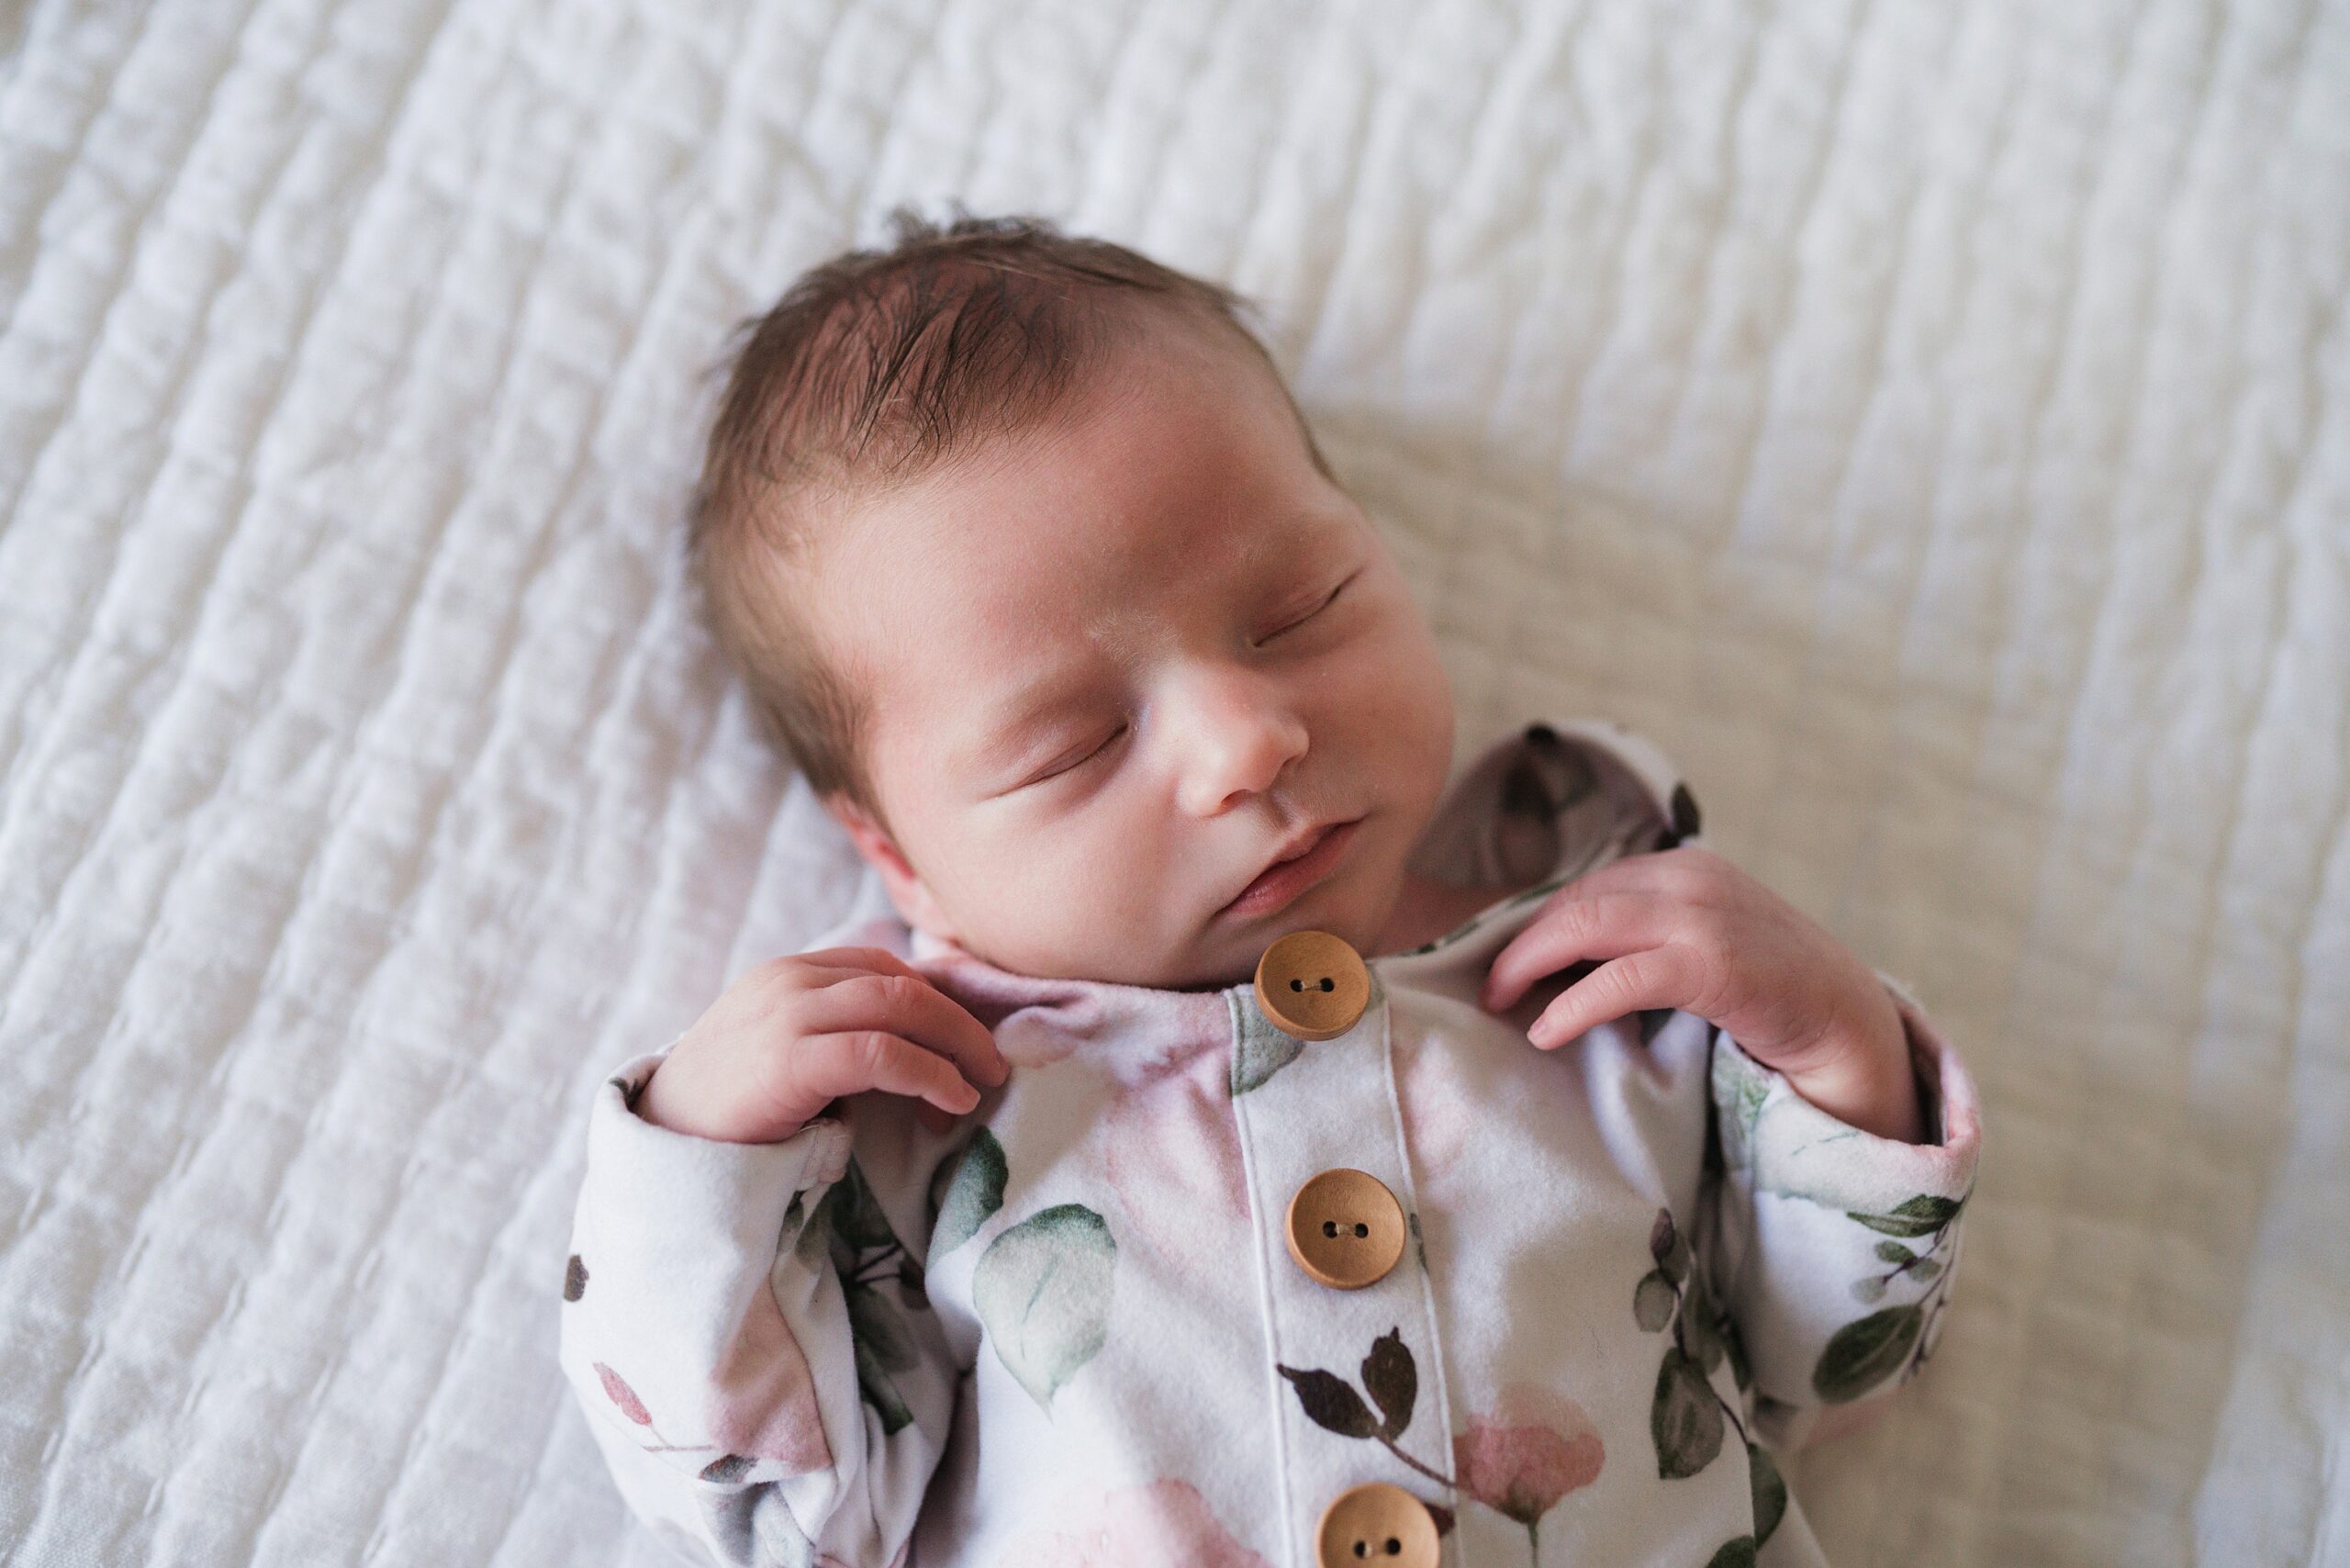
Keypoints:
pixel 1362 1230
pixel 1329 984
pixel 1395 1547
pixel 1329 1228
pixel 1362 1548
pixel 1297 985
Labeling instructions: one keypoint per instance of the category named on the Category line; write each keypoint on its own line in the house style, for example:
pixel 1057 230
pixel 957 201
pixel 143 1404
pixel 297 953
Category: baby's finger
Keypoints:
pixel 858 960
pixel 850 1061
pixel 1572 927
pixel 1669 976
pixel 908 1004
pixel 1680 874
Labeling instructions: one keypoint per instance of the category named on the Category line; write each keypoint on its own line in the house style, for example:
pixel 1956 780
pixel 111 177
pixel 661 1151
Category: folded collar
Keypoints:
pixel 1540 804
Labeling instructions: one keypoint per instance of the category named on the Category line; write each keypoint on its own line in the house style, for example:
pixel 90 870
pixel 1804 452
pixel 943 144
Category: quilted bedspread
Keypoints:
pixel 1930 422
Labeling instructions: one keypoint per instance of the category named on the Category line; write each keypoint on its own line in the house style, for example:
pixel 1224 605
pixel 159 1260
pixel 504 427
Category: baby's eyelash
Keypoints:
pixel 1310 614
pixel 1079 762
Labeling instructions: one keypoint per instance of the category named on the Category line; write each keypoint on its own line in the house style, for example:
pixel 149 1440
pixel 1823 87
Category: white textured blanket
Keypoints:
pixel 1930 422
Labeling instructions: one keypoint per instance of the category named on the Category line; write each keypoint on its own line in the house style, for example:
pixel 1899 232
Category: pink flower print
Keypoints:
pixel 1170 1148
pixel 622 1394
pixel 763 1403
pixel 1130 1033
pixel 623 1397
pixel 1532 1450
pixel 1036 1023
pixel 1164 1525
pixel 1438 1108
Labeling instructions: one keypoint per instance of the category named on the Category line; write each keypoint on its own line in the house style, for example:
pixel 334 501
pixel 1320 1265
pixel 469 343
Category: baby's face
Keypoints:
pixel 1117 663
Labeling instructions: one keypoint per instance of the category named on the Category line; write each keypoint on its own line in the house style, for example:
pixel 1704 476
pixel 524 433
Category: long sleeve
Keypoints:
pixel 745 1327
pixel 1814 1258
pixel 1832 1251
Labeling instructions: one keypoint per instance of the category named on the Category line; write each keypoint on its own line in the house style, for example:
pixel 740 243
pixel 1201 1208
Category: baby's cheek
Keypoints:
pixel 1043 924
pixel 1112 899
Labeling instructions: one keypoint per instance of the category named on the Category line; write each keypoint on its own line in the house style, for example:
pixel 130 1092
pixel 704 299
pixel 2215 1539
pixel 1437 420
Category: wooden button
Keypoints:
pixel 1345 1229
pixel 1312 985
pixel 1376 1524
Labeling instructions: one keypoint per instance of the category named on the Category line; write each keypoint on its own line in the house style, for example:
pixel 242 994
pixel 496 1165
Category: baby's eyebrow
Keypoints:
pixel 1004 726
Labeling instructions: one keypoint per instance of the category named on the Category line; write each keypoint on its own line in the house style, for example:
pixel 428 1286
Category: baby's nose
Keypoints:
pixel 1239 758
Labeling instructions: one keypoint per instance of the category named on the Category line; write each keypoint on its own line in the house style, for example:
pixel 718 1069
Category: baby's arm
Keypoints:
pixel 1686 929
pixel 745 1323
pixel 1844 1134
pixel 1831 1250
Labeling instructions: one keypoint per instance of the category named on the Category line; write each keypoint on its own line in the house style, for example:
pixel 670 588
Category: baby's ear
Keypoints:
pixel 881 852
pixel 865 830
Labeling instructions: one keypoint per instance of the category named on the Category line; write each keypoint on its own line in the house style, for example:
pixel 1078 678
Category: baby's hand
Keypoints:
pixel 1686 929
pixel 795 1032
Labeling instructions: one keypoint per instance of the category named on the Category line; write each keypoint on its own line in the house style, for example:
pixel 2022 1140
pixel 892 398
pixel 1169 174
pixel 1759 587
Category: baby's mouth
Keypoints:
pixel 1282 882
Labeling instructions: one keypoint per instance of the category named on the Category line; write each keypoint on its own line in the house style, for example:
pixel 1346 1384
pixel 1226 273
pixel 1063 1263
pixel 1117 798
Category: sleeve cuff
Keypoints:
pixel 1780 1142
pixel 671 1201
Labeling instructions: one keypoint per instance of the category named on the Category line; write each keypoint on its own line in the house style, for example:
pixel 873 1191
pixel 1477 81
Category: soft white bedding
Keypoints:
pixel 1931 423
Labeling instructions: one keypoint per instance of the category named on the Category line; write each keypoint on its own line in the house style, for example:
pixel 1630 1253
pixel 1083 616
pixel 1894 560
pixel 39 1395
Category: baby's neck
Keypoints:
pixel 1426 910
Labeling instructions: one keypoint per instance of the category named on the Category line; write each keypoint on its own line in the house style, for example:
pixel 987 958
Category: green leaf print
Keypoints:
pixel 856 1216
pixel 974 1191
pixel 873 1382
pixel 1042 1289
pixel 1669 1247
pixel 1921 1215
pixel 1742 1099
pixel 1739 1553
pixel 1652 1301
pixel 1739 1371
pixel 1685 1418
pixel 1769 1490
pixel 816 1239
pixel 883 1345
pixel 1331 1402
pixel 1865 1353
pixel 849 1226
pixel 1894 1252
pixel 1258 1051
pixel 727 1469
pixel 1393 1379
pixel 1703 1324
pixel 875 1322
pixel 1685 818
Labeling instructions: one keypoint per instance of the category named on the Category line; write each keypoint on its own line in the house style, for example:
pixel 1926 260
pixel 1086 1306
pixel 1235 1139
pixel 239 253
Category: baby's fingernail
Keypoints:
pixel 1540 1035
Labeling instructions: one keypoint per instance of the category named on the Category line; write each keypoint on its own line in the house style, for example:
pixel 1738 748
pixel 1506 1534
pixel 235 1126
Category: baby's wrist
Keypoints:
pixel 1864 1076
pixel 667 1101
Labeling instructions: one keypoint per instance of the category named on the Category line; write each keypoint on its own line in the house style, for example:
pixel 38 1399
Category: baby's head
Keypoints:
pixel 1029 562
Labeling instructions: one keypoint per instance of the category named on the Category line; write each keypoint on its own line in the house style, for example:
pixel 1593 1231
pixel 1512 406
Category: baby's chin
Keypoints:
pixel 1223 953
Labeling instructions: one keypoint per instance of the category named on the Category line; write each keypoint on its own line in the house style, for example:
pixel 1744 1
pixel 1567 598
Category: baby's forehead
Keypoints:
pixel 1034 664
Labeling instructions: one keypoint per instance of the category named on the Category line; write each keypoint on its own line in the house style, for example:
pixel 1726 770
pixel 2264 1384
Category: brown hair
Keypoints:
pixel 872 369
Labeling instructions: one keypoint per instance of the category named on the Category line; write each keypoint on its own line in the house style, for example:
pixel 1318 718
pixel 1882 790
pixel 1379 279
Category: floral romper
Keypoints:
pixel 1106 1320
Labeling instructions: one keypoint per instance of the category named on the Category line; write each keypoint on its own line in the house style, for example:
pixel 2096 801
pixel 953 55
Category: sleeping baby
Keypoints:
pixel 1248 1143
